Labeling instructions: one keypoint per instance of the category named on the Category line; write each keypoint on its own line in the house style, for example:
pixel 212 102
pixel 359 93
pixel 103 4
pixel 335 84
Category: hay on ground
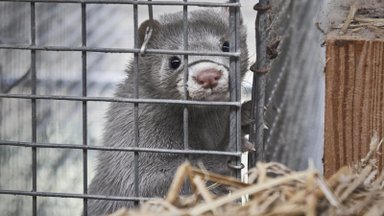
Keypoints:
pixel 274 189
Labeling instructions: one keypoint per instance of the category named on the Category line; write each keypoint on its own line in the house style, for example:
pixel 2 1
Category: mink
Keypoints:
pixel 160 76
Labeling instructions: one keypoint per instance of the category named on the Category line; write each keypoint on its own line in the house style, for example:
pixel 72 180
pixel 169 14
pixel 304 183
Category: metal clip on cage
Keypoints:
pixel 148 31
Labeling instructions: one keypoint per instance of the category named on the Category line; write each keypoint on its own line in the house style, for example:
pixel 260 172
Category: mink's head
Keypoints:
pixel 208 76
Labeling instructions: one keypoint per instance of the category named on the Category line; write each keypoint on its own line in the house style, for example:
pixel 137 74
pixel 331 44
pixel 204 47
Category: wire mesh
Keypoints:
pixel 84 99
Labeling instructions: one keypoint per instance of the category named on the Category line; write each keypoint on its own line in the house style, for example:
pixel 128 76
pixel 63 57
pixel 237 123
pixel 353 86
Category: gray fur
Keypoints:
pixel 161 126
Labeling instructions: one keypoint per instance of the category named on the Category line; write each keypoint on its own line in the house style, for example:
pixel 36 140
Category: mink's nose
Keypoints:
pixel 208 78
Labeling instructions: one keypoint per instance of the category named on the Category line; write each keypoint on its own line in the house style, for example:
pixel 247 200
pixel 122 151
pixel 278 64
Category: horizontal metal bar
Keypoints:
pixel 72 195
pixel 130 2
pixel 122 100
pixel 124 149
pixel 117 50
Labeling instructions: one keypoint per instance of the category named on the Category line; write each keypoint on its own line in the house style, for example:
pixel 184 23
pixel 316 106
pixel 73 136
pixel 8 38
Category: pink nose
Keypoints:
pixel 208 78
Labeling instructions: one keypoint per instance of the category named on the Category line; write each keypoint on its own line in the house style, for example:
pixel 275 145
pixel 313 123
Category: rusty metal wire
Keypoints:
pixel 260 68
pixel 288 84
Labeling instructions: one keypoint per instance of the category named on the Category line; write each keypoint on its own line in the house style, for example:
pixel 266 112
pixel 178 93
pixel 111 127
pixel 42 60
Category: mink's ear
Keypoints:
pixel 154 24
pixel 225 12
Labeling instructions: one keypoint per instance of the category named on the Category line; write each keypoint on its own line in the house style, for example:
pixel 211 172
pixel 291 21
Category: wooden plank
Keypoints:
pixel 354 99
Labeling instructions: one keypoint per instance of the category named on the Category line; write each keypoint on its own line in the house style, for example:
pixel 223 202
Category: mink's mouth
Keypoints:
pixel 208 95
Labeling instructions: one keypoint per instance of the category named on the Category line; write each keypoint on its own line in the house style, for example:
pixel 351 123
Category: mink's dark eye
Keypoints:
pixel 225 47
pixel 174 62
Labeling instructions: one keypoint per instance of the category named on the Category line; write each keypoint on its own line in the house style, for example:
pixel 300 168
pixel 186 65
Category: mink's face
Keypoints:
pixel 207 77
pixel 207 80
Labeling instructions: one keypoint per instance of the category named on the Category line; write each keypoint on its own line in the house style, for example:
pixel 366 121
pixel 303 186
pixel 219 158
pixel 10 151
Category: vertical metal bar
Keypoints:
pixel 34 118
pixel 136 105
pixel 150 12
pixel 258 88
pixel 233 78
pixel 185 78
pixel 238 83
pixel 232 82
pixel 84 104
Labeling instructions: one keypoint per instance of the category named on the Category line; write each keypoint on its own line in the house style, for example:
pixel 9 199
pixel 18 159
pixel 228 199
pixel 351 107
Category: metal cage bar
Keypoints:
pixel 72 195
pixel 234 78
pixel 238 85
pixel 121 100
pixel 125 149
pixel 185 80
pixel 134 2
pixel 115 50
pixel 185 77
pixel 84 104
pixel 33 108
pixel 136 105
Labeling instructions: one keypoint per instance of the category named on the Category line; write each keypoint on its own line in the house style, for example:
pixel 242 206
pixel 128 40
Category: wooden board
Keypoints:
pixel 354 99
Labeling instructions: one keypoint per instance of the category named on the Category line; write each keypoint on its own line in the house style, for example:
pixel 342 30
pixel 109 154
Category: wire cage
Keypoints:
pixel 33 91
pixel 58 75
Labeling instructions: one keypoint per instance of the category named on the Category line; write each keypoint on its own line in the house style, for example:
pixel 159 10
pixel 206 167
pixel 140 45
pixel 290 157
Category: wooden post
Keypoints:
pixel 354 99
